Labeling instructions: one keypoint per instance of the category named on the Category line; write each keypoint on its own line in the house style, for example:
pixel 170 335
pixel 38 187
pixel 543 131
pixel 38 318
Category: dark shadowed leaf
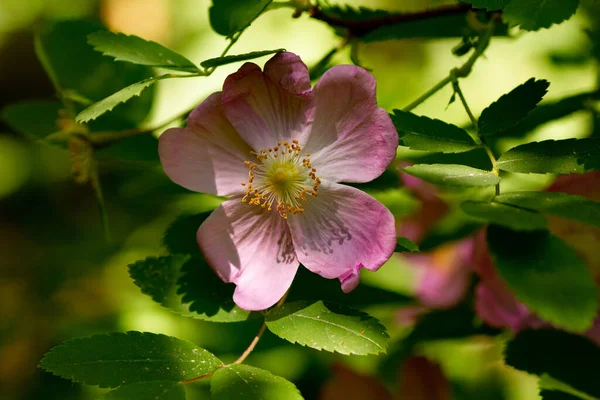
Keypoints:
pixel 158 390
pixel 509 216
pixel 568 358
pixel 228 17
pixel 453 175
pixel 243 382
pixel 116 359
pixel 563 205
pixel 136 50
pixel 532 15
pixel 36 119
pixel 547 275
pixel 180 236
pixel 422 133
pixel 489 4
pixel 553 156
pixel 512 107
pixel 215 62
pixel 189 287
pixel 328 327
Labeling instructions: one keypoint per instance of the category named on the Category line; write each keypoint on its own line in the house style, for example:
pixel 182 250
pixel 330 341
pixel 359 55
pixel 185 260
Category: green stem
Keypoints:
pixel 462 71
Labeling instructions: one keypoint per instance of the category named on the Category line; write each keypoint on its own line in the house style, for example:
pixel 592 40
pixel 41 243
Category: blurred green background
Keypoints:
pixel 60 278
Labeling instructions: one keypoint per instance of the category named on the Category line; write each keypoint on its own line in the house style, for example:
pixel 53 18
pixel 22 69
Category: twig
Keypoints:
pixel 363 27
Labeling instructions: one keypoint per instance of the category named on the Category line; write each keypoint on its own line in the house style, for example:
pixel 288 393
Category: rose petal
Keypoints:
pixel 266 107
pixel 341 229
pixel 208 155
pixel 351 139
pixel 252 248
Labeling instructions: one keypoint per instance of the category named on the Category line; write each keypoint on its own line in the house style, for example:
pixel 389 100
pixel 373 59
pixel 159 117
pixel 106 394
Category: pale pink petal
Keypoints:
pixel 350 279
pixel 340 230
pixel 252 248
pixel 351 139
pixel 208 155
pixel 445 274
pixel 275 105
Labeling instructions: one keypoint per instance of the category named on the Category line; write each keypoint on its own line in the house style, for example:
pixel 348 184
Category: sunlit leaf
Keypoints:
pixel 512 107
pixel 405 245
pixel 116 359
pixel 566 357
pixel 158 390
pixel 422 133
pixel 509 216
pixel 563 205
pixel 547 275
pixel 215 62
pixel 136 50
pixel 453 175
pixel 553 156
pixel 328 327
pixel 532 15
pixel 243 382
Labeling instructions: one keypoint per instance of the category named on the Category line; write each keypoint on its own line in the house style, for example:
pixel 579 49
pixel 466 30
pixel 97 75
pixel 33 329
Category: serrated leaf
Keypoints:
pixel 36 119
pixel 422 133
pixel 122 96
pixel 566 357
pixel 564 205
pixel 158 390
pixel 74 67
pixel 490 5
pixel 116 359
pixel 547 275
pixel 532 15
pixel 553 156
pixel 189 287
pixel 215 62
pixel 453 175
pixel 405 245
pixel 328 327
pixel 509 216
pixel 135 50
pixel 512 107
pixel 243 382
pixel 228 17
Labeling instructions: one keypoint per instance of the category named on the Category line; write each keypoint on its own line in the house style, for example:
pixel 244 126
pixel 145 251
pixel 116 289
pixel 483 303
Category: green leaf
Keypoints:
pixel 553 389
pixel 535 14
pixel 228 17
pixel 453 175
pixel 116 359
pixel 422 133
pixel 36 119
pixel 568 358
pixel 512 107
pixel 404 245
pixel 74 67
pixel 553 156
pixel 122 96
pixel 328 327
pixel 547 275
pixel 180 236
pixel 563 205
pixel 243 382
pixel 189 287
pixel 135 50
pixel 491 5
pixel 158 390
pixel 508 216
pixel 215 62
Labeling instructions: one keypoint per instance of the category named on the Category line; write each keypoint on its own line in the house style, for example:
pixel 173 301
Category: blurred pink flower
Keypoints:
pixel 273 144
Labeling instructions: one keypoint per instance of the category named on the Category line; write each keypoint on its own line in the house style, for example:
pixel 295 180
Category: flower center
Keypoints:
pixel 281 177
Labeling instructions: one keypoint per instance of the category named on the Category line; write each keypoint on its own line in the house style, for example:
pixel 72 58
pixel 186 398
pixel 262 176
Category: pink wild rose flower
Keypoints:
pixel 279 149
